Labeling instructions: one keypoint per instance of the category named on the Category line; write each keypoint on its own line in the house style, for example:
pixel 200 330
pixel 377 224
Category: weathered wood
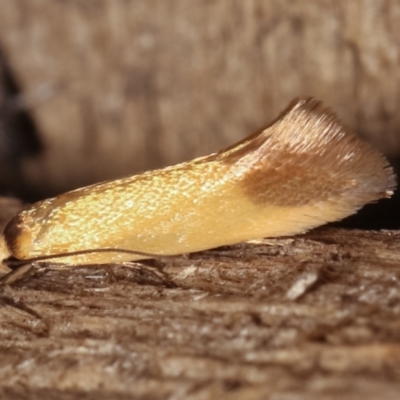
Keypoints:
pixel 309 317
pixel 157 82
pixel 18 138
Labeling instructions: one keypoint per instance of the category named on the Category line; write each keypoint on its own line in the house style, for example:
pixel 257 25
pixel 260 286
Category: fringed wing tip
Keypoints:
pixel 308 156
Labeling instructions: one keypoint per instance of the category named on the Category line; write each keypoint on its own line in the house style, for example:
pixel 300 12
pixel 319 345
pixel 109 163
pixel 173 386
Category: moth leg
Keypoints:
pixel 111 275
pixel 147 274
pixel 16 275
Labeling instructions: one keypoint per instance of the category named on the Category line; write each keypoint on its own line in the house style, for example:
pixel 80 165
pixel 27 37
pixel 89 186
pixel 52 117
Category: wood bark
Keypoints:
pixel 120 86
pixel 309 317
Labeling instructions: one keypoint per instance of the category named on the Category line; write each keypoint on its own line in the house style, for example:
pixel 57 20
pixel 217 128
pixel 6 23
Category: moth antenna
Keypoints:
pixel 304 170
pixel 16 263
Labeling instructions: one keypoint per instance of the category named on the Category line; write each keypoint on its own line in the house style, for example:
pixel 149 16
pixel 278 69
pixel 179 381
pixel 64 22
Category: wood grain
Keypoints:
pixel 220 323
pixel 156 83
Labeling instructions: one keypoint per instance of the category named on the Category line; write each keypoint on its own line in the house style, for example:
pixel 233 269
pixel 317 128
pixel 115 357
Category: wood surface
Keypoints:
pixel 117 87
pixel 308 317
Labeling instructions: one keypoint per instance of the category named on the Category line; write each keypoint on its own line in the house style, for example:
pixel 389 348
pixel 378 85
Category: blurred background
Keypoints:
pixel 93 89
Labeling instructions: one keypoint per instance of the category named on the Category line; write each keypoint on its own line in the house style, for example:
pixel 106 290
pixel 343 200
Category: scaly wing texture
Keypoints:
pixel 304 170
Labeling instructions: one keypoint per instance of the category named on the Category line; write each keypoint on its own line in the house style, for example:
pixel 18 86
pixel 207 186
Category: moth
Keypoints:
pixel 302 171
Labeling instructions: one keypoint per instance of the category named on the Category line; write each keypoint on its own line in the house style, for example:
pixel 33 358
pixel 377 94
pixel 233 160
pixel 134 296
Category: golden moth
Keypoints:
pixel 302 171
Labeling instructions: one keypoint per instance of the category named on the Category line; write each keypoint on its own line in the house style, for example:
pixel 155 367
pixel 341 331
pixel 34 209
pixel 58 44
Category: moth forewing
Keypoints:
pixel 304 170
